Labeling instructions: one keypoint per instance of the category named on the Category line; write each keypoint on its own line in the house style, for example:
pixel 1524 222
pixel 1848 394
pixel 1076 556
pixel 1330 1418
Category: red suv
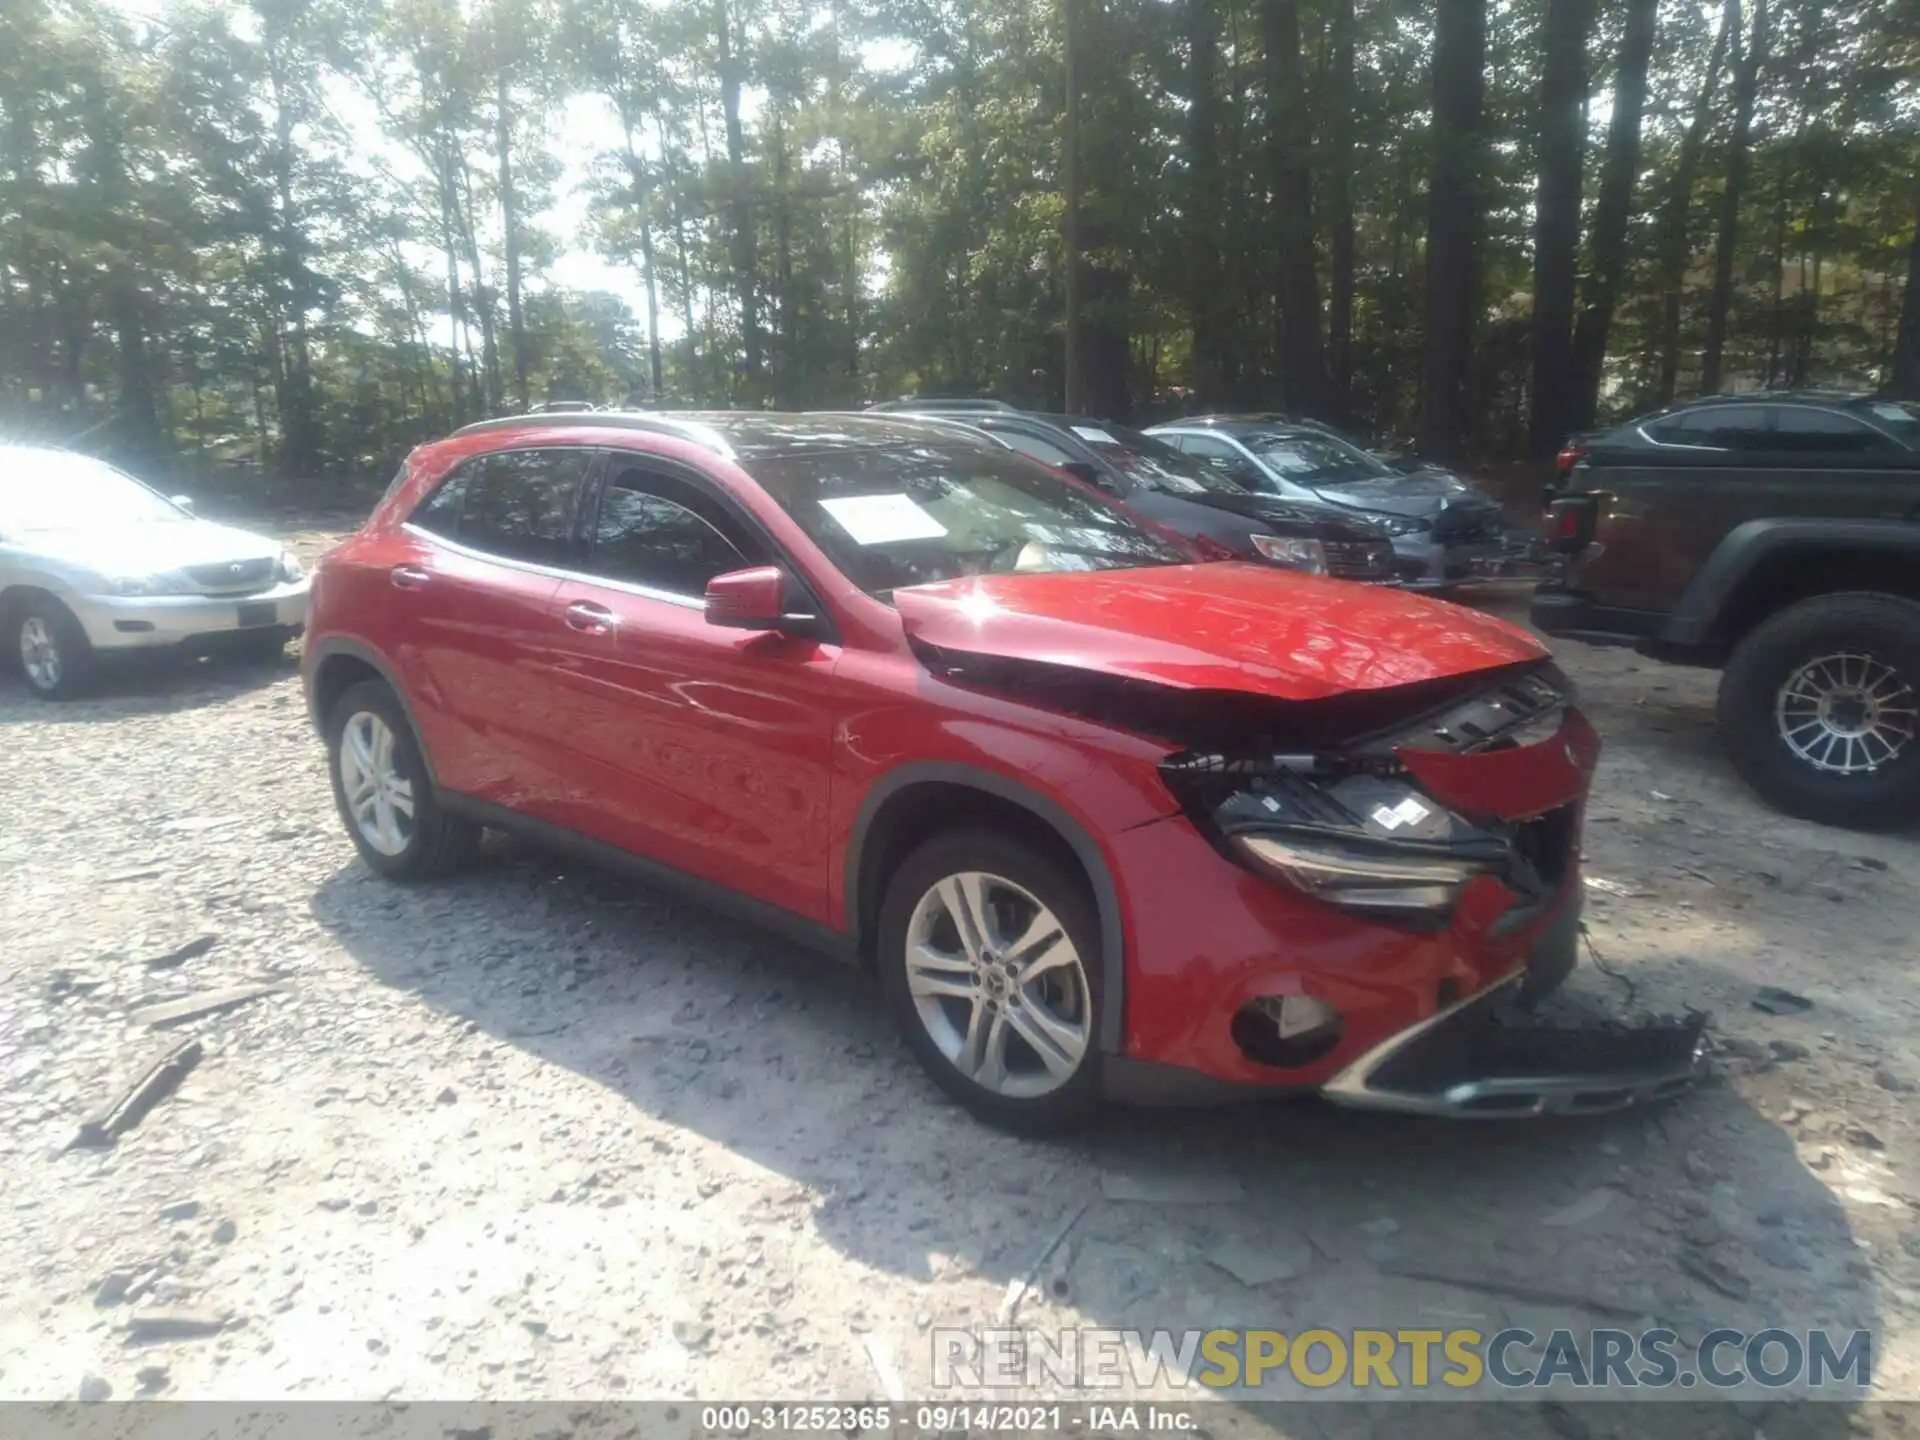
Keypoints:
pixel 1102 820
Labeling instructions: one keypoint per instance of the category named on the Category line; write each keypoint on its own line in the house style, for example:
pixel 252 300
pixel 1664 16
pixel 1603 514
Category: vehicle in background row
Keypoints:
pixel 95 564
pixel 1194 501
pixel 1776 536
pixel 1103 821
pixel 1444 531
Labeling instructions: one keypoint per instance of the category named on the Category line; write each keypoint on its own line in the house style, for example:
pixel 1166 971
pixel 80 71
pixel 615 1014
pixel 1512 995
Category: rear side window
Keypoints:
pixel 1806 431
pixel 1716 427
pixel 518 504
pixel 653 531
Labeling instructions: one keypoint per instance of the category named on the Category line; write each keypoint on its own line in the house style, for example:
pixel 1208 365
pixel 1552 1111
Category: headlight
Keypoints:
pixel 290 568
pixel 1401 524
pixel 1293 552
pixel 1349 876
pixel 162 584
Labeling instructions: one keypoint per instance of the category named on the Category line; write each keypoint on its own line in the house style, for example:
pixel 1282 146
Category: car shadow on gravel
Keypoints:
pixel 1289 1214
pixel 143 685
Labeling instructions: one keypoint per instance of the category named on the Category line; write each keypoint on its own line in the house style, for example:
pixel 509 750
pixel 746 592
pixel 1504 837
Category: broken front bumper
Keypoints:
pixel 1486 1058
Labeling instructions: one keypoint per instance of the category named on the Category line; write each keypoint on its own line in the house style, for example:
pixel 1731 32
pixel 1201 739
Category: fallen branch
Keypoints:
pixel 159 1081
pixel 178 1012
pixel 1513 1290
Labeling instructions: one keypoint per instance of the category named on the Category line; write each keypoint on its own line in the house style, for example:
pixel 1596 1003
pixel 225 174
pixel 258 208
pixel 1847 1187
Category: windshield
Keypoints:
pixel 914 514
pixel 1311 459
pixel 50 490
pixel 1154 463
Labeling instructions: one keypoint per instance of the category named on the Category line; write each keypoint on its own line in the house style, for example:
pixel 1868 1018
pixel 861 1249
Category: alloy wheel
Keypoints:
pixel 379 797
pixel 1847 713
pixel 998 985
pixel 40 653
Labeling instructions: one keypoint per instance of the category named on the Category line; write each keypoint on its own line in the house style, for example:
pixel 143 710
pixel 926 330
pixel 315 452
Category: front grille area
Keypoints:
pixel 1546 844
pixel 1359 559
pixel 236 577
pixel 1462 525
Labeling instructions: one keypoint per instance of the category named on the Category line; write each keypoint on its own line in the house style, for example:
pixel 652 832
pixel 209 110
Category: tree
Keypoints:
pixel 1904 371
pixel 1556 233
pixel 1297 288
pixel 1453 221
pixel 1612 212
pixel 1746 85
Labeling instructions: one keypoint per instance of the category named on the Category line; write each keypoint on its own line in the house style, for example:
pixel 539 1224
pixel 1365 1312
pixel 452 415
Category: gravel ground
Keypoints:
pixel 538 1132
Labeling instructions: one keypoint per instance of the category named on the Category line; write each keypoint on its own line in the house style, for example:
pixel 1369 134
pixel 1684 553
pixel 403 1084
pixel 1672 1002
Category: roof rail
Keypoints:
pixel 561 407
pixel 933 403
pixel 702 435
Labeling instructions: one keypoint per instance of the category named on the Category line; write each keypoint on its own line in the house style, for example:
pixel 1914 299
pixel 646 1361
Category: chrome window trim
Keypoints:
pixel 555 572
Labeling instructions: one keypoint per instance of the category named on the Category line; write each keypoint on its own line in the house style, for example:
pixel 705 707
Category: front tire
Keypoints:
pixel 989 953
pixel 383 792
pixel 1820 710
pixel 55 656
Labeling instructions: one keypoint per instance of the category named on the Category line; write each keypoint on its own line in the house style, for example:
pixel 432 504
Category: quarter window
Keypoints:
pixel 517 504
pixel 1716 427
pixel 1807 431
pixel 651 531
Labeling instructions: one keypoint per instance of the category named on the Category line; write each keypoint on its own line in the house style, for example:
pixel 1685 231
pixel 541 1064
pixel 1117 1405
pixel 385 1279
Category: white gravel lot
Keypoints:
pixel 540 1133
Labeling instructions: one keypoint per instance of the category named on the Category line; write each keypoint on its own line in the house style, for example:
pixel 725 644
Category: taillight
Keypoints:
pixel 1570 455
pixel 1570 523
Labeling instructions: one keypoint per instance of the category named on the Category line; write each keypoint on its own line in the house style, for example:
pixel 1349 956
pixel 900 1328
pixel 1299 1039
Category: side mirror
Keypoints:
pixel 185 502
pixel 755 599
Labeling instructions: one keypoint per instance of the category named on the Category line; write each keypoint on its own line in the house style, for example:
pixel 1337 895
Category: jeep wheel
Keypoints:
pixel 1820 707
pixel 989 954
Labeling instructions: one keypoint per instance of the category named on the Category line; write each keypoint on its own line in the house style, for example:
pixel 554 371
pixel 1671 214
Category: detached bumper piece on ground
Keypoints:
pixel 1486 1060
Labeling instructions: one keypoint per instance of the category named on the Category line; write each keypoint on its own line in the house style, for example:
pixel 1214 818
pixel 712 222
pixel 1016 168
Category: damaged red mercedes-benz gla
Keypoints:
pixel 1103 821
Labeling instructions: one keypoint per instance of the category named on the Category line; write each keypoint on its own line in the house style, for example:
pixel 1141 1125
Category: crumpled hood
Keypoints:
pixel 148 547
pixel 1235 627
pixel 1421 494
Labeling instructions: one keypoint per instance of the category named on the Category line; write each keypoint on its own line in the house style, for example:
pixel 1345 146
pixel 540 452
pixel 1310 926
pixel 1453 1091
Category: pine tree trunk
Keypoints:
pixel 1206 295
pixel 740 206
pixel 1673 245
pixel 510 227
pixel 1903 373
pixel 1746 85
pixel 1289 169
pixel 1340 243
pixel 1556 231
pixel 1612 212
pixel 1073 376
pixel 1453 222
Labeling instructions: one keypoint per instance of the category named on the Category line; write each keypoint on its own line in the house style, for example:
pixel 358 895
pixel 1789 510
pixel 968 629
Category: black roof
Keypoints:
pixel 739 434
pixel 1246 425
pixel 1772 397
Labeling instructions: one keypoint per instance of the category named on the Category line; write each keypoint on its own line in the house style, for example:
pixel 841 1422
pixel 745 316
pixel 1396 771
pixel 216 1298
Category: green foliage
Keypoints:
pixel 307 234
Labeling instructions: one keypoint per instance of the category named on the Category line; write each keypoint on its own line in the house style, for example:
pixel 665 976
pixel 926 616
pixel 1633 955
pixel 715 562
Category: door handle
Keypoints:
pixel 590 619
pixel 408 577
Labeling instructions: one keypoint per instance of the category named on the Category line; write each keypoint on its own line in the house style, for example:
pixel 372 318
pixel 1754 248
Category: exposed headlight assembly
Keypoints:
pixel 289 568
pixel 1294 552
pixel 1400 524
pixel 1371 843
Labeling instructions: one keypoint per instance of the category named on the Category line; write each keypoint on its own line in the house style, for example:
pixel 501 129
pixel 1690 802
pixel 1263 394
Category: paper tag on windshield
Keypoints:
pixel 1094 435
pixel 1408 812
pixel 883 519
pixel 1892 412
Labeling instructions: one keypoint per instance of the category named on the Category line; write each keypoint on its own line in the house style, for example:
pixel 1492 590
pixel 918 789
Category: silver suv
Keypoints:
pixel 93 563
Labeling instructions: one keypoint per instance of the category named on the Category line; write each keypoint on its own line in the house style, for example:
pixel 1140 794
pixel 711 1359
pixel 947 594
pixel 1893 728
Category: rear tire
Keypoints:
pixel 1004 1015
pixel 383 792
pixel 1820 710
pixel 55 657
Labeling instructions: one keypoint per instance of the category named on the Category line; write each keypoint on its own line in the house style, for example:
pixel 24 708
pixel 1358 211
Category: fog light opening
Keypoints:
pixel 1286 1031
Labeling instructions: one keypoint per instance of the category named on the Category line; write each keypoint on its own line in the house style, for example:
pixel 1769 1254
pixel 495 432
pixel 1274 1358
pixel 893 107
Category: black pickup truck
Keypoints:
pixel 1776 536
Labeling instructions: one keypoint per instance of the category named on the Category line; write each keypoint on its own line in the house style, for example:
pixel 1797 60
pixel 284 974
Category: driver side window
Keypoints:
pixel 655 531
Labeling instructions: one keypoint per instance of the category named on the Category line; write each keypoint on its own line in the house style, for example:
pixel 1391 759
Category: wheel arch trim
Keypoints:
pixel 1106 895
pixel 335 647
pixel 1696 615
